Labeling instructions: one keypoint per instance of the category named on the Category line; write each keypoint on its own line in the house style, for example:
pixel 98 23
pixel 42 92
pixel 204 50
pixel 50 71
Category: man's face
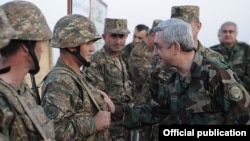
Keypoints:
pixel 162 49
pixel 139 36
pixel 114 42
pixel 228 35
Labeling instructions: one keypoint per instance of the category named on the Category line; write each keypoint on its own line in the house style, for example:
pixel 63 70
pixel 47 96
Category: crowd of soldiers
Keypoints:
pixel 120 92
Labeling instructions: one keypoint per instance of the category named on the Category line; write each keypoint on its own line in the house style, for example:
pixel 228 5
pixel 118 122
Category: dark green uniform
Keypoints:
pixel 238 58
pixel 210 94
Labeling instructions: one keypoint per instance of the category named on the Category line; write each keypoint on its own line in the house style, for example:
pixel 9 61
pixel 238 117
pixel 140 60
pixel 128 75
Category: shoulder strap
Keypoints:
pixel 81 83
pixel 24 105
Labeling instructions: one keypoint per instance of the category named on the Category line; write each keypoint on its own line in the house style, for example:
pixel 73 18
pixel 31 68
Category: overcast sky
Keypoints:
pixel 212 14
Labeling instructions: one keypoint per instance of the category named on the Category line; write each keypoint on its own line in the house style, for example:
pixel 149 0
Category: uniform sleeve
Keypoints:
pixel 145 115
pixel 60 102
pixel 232 97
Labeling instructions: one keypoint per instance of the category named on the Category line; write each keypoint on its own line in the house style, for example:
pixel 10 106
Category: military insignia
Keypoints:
pixel 51 111
pixel 235 93
pixel 118 23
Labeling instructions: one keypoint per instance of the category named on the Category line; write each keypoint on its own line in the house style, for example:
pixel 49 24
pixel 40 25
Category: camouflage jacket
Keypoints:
pixel 109 74
pixel 15 123
pixel 238 59
pixel 140 64
pixel 210 94
pixel 209 53
pixel 66 101
pixel 125 53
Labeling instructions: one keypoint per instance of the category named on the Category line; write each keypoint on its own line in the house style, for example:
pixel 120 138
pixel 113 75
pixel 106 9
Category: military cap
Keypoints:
pixel 6 30
pixel 185 12
pixel 116 26
pixel 156 22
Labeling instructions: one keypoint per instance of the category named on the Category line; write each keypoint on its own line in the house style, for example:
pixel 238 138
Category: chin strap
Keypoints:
pixel 79 57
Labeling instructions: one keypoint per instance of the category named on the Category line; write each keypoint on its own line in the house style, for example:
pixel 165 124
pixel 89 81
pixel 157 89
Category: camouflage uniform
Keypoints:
pixel 21 118
pixel 109 74
pixel 65 98
pixel 125 53
pixel 210 94
pixel 209 53
pixel 16 124
pixel 238 59
pixel 69 105
pixel 111 78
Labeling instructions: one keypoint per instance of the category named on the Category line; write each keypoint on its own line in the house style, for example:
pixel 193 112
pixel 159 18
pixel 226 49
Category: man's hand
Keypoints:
pixel 108 101
pixel 102 120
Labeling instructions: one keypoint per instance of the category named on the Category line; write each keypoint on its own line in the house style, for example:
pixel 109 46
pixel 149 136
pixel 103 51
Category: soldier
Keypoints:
pixel 235 53
pixel 202 91
pixel 77 108
pixel 109 72
pixel 141 64
pixel 190 14
pixel 21 117
pixel 140 34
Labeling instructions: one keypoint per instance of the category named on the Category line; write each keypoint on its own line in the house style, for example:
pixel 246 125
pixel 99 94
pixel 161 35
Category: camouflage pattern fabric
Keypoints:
pixel 109 74
pixel 73 30
pixel 238 59
pixel 5 30
pixel 210 94
pixel 25 16
pixel 125 53
pixel 69 105
pixel 15 123
pixel 209 53
pixel 116 26
pixel 185 12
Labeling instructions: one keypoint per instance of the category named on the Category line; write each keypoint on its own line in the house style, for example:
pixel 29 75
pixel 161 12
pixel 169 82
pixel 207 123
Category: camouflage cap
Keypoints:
pixel 156 22
pixel 116 26
pixel 27 20
pixel 5 29
pixel 185 12
pixel 72 31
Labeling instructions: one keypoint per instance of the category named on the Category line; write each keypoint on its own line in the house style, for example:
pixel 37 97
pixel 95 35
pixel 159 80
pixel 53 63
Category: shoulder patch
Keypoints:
pixel 235 93
pixel 51 111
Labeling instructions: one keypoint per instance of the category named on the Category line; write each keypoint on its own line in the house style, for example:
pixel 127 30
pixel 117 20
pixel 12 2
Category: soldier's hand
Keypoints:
pixel 107 99
pixel 102 120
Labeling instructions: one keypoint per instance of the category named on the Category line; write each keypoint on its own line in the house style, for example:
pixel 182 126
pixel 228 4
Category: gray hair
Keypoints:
pixel 229 23
pixel 179 31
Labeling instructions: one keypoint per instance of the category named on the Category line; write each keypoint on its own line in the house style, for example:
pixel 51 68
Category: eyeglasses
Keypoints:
pixel 228 31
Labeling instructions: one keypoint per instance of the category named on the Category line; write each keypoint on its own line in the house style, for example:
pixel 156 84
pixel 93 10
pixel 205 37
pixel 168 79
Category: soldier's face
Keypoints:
pixel 114 42
pixel 139 36
pixel 228 35
pixel 86 50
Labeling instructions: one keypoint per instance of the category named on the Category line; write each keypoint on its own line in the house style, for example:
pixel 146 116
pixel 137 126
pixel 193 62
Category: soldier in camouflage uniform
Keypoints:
pixel 109 72
pixel 235 53
pixel 202 91
pixel 140 34
pixel 141 64
pixel 190 14
pixel 21 118
pixel 77 108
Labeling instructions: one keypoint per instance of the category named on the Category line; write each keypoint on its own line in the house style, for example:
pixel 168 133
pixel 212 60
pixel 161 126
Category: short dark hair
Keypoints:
pixel 141 27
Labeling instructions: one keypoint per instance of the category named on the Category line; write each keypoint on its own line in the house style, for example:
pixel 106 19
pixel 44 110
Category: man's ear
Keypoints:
pixel 177 47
